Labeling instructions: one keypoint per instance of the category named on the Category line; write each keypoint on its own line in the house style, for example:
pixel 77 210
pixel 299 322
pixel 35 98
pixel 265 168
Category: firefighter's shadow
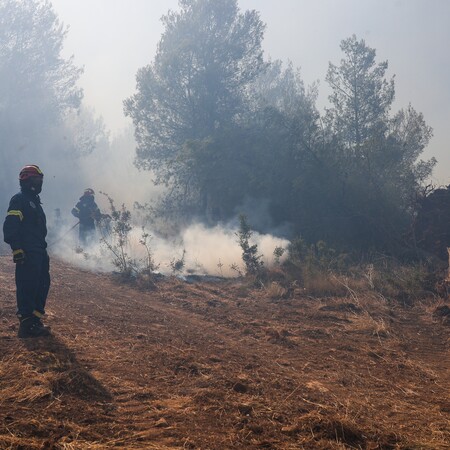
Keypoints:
pixel 67 377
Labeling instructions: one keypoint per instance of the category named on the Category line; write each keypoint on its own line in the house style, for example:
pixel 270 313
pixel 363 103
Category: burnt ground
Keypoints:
pixel 221 365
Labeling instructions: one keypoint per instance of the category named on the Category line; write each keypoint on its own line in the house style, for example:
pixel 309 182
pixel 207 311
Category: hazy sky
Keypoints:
pixel 113 38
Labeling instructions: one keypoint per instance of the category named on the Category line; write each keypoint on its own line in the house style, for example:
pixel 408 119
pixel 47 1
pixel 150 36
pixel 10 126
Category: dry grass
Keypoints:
pixel 275 291
pixel 226 365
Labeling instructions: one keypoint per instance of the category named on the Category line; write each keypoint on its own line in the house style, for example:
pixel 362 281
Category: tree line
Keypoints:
pixel 42 117
pixel 217 123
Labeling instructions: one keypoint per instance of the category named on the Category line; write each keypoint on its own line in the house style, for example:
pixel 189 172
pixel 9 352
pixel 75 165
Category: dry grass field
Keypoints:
pixel 222 365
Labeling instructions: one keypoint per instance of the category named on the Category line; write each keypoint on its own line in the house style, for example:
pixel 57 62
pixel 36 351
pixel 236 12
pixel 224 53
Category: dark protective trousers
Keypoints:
pixel 87 234
pixel 32 283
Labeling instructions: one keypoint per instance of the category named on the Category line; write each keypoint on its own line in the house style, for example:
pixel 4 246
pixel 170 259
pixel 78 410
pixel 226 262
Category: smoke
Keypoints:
pixel 204 251
pixel 106 166
pixel 109 168
pixel 75 151
pixel 214 250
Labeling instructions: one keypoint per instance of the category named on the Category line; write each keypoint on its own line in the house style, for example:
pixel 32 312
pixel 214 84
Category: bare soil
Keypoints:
pixel 222 365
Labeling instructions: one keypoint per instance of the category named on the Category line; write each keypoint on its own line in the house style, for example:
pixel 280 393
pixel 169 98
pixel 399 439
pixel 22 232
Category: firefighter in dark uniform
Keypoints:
pixel 87 211
pixel 25 230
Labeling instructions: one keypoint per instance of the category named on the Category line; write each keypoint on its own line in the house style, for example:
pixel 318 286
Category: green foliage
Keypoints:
pixel 177 264
pixel 376 169
pixel 194 89
pixel 253 264
pixel 117 242
pixel 361 96
pixel 316 257
pixel 278 253
pixel 116 239
pixel 236 268
pixel 218 125
pixel 31 65
pixel 149 263
pixel 431 226
pixel 38 87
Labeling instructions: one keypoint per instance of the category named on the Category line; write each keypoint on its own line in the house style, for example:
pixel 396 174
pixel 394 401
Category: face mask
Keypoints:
pixel 36 185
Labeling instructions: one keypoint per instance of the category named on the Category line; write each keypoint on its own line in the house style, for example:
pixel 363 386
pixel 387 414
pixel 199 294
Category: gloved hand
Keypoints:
pixel 19 256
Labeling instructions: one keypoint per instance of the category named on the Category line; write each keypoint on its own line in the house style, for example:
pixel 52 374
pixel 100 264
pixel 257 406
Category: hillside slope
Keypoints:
pixel 220 366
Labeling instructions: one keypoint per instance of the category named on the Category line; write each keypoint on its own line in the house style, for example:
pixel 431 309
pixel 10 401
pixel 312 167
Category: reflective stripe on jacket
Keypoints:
pixel 25 224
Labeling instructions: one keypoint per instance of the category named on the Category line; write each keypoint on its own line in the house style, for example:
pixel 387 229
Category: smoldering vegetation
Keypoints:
pixel 196 250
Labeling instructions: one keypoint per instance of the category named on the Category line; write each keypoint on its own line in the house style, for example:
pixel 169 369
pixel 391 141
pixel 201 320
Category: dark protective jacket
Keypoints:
pixel 25 225
pixel 86 210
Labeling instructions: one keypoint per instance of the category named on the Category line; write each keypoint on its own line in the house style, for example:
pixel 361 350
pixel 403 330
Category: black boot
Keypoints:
pixel 39 323
pixel 31 326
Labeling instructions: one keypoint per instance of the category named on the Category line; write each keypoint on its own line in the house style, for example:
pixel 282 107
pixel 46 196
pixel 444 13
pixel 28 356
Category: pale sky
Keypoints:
pixel 112 39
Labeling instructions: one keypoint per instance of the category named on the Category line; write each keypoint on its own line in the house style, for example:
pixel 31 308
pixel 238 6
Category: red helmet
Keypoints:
pixel 89 191
pixel 29 172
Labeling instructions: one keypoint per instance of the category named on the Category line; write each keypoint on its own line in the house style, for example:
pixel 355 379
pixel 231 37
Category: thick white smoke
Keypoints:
pixel 109 169
pixel 207 251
